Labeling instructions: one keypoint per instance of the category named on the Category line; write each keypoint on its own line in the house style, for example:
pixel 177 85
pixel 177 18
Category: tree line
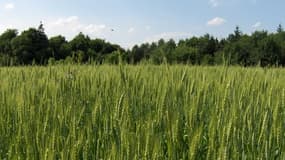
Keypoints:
pixel 33 46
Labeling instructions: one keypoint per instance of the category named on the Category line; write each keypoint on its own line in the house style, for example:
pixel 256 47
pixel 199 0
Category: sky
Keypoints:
pixel 139 21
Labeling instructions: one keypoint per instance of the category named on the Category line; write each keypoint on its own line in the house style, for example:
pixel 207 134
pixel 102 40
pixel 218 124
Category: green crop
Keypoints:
pixel 142 112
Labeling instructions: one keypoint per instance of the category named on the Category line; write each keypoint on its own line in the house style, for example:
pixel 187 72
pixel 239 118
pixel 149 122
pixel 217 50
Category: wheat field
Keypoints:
pixel 142 112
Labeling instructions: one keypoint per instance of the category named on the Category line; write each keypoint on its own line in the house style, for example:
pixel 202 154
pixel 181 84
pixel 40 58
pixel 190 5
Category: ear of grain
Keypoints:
pixel 141 112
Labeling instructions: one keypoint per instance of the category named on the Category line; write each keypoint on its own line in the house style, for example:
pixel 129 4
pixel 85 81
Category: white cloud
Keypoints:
pixel 9 6
pixel 256 25
pixel 217 21
pixel 214 3
pixel 131 30
pixel 93 28
pixel 72 25
pixel 168 35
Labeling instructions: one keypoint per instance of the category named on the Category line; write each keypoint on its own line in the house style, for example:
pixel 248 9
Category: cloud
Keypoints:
pixel 168 35
pixel 214 3
pixel 217 21
pixel 131 30
pixel 72 25
pixel 9 6
pixel 256 25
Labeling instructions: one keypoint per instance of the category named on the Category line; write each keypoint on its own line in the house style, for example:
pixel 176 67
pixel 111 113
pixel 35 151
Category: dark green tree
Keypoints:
pixel 31 46
pixel 79 46
pixel 280 29
pixel 236 36
pixel 59 47
pixel 5 41
pixel 270 52
pixel 80 42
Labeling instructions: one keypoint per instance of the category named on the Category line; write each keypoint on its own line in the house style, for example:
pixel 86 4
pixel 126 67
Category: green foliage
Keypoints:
pixel 80 42
pixel 114 58
pixel 280 29
pixel 141 112
pixel 187 55
pixel 33 47
pixel 59 47
pixel 5 43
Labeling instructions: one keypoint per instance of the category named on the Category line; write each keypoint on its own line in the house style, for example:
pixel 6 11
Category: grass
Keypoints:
pixel 142 112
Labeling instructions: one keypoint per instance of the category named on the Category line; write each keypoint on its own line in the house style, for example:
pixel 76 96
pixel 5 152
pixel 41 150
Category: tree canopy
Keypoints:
pixel 32 46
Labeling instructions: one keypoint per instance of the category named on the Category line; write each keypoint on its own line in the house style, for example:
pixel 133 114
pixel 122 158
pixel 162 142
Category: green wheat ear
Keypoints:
pixel 141 112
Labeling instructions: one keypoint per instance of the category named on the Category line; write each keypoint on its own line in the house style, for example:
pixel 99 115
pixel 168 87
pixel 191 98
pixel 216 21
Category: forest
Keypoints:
pixel 33 47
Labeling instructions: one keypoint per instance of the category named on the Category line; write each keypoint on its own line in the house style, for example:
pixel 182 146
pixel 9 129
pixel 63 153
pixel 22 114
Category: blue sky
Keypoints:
pixel 138 21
